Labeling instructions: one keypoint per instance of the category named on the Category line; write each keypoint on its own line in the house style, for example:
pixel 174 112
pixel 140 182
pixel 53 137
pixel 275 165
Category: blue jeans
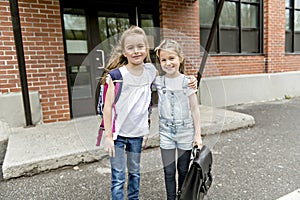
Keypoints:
pixel 133 148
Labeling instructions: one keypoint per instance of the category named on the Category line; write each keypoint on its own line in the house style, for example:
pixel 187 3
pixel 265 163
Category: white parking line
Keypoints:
pixel 295 195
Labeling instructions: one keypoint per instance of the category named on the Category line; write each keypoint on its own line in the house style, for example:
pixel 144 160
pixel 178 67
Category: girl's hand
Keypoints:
pixel 198 141
pixel 109 146
pixel 193 82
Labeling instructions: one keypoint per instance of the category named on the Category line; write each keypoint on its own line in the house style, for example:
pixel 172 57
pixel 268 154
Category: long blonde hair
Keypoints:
pixel 171 45
pixel 117 59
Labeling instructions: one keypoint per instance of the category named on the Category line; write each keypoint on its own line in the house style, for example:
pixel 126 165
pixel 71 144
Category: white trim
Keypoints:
pixel 295 195
pixel 224 91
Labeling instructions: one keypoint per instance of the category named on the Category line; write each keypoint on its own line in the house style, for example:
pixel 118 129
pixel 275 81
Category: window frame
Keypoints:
pixel 216 44
pixel 291 32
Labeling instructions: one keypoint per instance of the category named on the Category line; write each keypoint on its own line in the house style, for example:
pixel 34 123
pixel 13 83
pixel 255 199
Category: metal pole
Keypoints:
pixel 14 10
pixel 210 39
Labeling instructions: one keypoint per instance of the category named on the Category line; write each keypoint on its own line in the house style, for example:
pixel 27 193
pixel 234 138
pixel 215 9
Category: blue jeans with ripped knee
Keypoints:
pixel 133 148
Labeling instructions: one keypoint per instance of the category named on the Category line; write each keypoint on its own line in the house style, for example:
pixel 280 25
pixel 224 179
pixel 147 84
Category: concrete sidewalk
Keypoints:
pixel 49 146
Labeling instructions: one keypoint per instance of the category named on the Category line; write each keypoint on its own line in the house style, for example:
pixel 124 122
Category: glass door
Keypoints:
pixel 90 35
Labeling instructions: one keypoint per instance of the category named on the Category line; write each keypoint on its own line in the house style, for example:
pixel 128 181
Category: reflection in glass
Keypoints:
pixel 288 20
pixel 229 42
pixel 229 15
pixel 103 30
pixel 297 42
pixel 75 33
pixel 147 20
pixel 250 41
pixel 254 1
pixel 146 24
pixel 207 12
pixel 111 24
pixel 297 3
pixel 249 16
pixel 239 26
pixel 297 21
pixel 204 33
pixel 80 79
pixel 288 42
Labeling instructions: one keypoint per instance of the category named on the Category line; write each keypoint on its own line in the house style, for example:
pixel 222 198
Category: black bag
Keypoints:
pixel 198 179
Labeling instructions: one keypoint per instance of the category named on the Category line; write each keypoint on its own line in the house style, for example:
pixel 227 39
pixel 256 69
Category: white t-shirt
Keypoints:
pixel 174 84
pixel 133 103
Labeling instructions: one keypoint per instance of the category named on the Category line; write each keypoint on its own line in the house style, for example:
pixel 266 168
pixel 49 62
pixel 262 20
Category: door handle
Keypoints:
pixel 100 59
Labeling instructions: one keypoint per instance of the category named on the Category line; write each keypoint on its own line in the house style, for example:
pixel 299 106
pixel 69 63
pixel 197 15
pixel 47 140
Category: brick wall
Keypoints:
pixel 274 34
pixel 175 14
pixel 9 79
pixel 277 59
pixel 274 59
pixel 179 20
pixel 233 65
pixel 280 61
pixel 44 55
pixel 183 16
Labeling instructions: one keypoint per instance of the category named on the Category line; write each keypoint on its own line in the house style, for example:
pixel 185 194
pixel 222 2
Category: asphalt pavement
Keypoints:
pixel 261 162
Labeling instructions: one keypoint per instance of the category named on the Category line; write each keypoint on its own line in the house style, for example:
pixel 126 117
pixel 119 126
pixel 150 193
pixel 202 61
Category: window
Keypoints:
pixel 75 31
pixel 239 28
pixel 292 26
pixel 111 24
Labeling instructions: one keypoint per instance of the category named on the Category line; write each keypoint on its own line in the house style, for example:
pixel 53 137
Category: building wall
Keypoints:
pixel 44 55
pixel 274 21
pixel 274 58
pixel 183 15
pixel 235 79
pixel 179 19
pixel 8 64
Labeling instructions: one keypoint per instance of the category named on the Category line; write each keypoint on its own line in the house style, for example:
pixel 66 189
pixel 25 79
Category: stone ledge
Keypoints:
pixel 50 146
pixel 4 134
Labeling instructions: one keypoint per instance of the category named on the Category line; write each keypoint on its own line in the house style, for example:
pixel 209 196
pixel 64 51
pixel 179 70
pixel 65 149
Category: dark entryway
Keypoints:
pixel 89 27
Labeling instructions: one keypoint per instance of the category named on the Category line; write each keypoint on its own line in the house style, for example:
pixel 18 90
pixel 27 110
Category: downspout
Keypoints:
pixel 14 10
pixel 210 39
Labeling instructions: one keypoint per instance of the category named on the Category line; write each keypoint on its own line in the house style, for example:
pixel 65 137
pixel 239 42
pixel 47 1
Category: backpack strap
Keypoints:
pixel 100 133
pixel 117 79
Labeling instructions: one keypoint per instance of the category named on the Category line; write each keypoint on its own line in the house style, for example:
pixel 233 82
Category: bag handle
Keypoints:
pixel 195 151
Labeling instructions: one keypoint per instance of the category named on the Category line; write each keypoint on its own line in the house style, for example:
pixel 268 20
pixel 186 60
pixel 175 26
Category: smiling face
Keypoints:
pixel 135 49
pixel 170 63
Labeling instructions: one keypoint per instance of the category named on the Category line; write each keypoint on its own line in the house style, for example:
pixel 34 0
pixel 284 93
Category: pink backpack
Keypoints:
pixel 117 79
